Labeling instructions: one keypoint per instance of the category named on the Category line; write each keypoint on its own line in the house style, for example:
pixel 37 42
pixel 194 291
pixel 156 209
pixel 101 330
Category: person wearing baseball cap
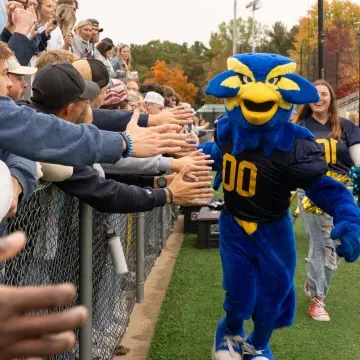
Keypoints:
pixel 95 35
pixel 96 31
pixel 154 103
pixel 116 96
pixel 16 75
pixel 59 89
pixel 94 70
pixel 81 41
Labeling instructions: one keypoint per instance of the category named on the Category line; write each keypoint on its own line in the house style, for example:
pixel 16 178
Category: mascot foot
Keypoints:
pixel 250 353
pixel 317 310
pixel 227 347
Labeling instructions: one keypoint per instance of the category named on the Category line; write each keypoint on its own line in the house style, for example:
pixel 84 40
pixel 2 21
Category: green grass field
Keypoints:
pixel 193 306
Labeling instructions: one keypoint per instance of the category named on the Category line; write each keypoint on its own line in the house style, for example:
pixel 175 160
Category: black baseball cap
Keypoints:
pixel 94 22
pixel 58 84
pixel 94 70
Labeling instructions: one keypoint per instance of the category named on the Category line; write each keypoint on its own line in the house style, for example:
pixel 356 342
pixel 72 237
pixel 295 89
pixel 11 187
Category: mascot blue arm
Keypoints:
pixel 336 200
pixel 212 149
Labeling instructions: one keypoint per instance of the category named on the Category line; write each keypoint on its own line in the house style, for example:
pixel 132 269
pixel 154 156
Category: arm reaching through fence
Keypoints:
pixel 110 196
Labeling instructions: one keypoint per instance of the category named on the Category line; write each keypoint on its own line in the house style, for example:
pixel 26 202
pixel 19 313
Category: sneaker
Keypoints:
pixel 227 347
pixel 307 288
pixel 317 311
pixel 250 353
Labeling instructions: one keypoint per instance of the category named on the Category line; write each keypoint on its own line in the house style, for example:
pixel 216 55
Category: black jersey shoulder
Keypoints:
pixel 350 132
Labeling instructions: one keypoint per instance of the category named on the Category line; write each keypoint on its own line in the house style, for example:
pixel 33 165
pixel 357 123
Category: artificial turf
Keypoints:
pixel 193 306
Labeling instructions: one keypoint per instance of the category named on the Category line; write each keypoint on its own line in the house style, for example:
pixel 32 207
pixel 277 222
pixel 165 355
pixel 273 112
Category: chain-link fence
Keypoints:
pixel 52 255
pixel 341 70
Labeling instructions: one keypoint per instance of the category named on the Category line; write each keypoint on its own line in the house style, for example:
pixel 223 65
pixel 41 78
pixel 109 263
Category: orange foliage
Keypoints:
pixel 174 78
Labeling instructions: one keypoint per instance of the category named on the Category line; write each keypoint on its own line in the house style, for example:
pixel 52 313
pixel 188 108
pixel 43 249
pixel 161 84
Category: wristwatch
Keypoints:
pixel 162 182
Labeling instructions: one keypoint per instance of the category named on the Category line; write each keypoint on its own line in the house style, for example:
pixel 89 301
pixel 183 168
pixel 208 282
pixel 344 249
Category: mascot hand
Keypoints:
pixel 349 234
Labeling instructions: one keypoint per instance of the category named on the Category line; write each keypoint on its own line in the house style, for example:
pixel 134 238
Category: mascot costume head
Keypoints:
pixel 259 92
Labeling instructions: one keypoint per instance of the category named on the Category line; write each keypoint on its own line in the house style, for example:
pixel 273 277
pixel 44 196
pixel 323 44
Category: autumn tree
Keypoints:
pixel 175 78
pixel 341 48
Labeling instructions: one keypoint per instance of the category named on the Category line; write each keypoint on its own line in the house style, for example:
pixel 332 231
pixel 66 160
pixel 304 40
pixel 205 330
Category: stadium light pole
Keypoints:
pixel 322 39
pixel 254 5
pixel 235 28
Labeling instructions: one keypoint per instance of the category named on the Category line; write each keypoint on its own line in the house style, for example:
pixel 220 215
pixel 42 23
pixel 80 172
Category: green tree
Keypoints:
pixel 278 39
pixel 221 44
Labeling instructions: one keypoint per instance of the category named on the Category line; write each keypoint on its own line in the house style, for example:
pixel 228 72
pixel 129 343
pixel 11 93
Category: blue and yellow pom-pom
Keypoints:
pixel 354 175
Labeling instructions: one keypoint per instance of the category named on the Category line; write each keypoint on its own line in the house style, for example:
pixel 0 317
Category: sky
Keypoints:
pixel 139 21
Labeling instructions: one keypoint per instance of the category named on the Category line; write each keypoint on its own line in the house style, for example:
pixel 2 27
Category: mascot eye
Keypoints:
pixel 274 80
pixel 245 79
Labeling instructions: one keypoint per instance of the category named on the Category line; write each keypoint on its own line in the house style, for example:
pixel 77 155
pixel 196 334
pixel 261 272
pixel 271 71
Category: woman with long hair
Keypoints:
pixel 122 64
pixel 45 14
pixel 66 22
pixel 105 50
pixel 341 141
pixel 43 27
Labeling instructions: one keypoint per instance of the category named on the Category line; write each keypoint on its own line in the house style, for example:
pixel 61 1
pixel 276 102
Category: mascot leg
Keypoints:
pixel 239 281
pixel 258 279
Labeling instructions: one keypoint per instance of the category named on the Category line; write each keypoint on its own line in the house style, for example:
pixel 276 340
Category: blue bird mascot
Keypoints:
pixel 261 157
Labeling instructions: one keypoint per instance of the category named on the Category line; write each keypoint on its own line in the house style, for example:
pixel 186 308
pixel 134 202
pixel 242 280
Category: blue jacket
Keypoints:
pixel 22 47
pixel 27 47
pixel 46 138
pixel 23 170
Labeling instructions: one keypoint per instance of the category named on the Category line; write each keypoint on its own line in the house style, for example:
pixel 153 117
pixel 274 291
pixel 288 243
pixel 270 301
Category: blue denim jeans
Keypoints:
pixel 322 258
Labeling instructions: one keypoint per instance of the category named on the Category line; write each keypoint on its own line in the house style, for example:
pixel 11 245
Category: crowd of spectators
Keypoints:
pixel 73 113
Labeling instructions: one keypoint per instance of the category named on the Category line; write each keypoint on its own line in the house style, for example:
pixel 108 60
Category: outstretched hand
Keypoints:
pixel 190 193
pixel 156 140
pixel 197 160
pixel 178 116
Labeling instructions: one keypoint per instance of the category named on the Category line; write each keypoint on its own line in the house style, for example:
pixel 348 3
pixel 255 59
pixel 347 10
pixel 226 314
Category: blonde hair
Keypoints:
pixel 67 20
pixel 5 52
pixel 52 56
pixel 128 62
pixel 305 111
pixel 354 117
pixel 37 7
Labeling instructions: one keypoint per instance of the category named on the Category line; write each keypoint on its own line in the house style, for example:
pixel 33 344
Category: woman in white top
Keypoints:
pixel 104 54
pixel 45 12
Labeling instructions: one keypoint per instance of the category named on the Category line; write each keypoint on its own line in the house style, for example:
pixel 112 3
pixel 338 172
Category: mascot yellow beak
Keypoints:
pixel 258 102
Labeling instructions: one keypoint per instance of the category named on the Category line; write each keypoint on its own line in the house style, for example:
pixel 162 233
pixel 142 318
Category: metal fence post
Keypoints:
pixel 140 257
pixel 86 237
pixel 163 227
